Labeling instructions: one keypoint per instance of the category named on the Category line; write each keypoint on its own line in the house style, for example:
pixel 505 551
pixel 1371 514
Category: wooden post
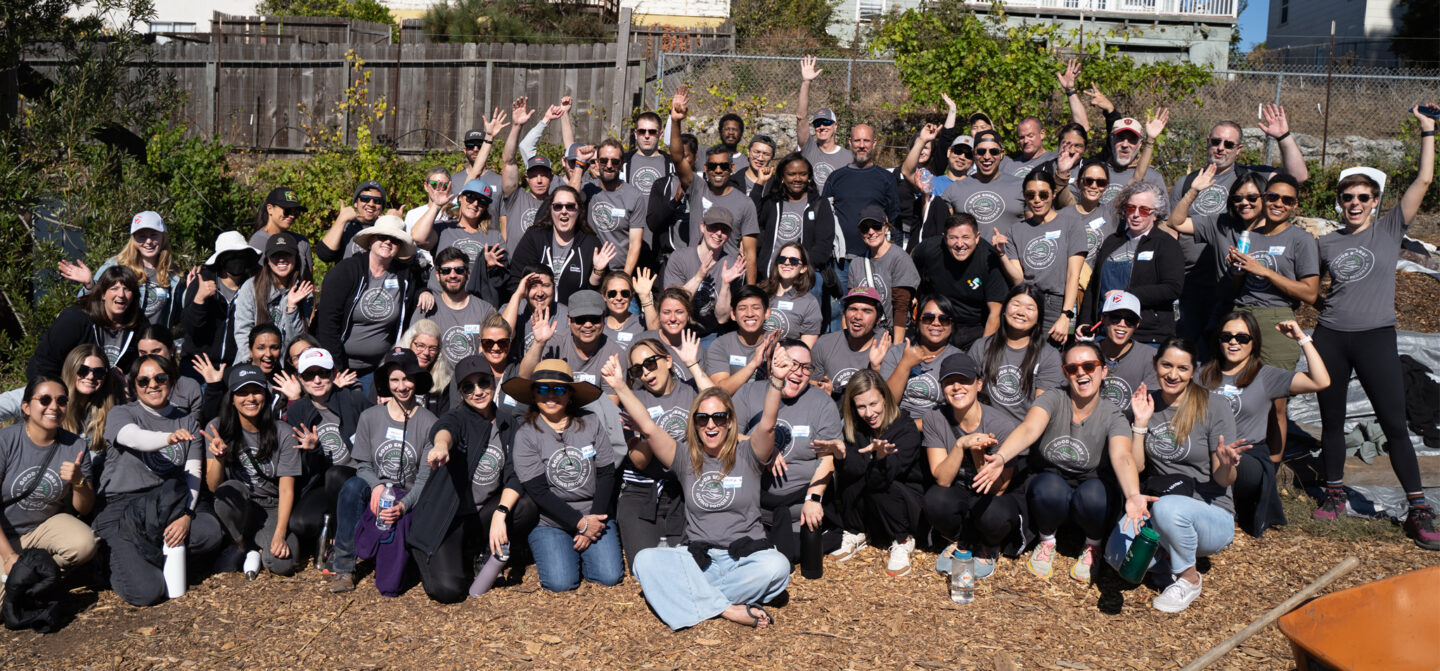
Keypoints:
pixel 465 112
pixel 217 40
pixel 619 113
pixel 1329 75
pixel 395 93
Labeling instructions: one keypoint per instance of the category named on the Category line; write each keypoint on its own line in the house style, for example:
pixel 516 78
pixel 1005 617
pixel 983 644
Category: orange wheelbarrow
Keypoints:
pixel 1388 624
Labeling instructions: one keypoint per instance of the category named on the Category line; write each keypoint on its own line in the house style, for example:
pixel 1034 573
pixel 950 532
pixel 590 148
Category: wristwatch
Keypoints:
pixel 502 508
pixel 1068 312
pixel 812 496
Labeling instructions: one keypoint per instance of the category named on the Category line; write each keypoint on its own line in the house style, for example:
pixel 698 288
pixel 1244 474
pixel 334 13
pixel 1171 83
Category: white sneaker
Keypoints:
pixel 899 563
pixel 849 545
pixel 1177 596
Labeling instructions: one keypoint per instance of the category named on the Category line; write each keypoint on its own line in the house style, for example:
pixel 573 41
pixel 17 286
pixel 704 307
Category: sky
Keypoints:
pixel 1252 23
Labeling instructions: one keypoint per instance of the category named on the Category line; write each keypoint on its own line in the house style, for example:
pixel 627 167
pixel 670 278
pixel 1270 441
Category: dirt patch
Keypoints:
pixel 1417 296
pixel 854 618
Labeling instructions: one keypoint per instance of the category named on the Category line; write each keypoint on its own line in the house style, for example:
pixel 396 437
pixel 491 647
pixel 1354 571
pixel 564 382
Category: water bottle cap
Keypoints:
pixel 962 554
pixel 1150 533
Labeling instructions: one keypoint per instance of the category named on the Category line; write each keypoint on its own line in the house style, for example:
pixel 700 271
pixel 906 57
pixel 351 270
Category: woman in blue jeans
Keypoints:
pixel 728 566
pixel 1180 444
pixel 563 458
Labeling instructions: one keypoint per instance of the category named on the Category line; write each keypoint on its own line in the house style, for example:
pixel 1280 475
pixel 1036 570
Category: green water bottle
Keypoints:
pixel 1137 560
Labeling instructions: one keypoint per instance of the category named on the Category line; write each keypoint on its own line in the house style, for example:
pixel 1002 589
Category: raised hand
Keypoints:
pixel 299 292
pixel 730 272
pixel 70 472
pixel 1066 160
pixel 644 281
pixel 76 272
pixel 689 347
pixel 213 442
pixel 553 113
pixel 929 132
pixel 346 378
pixel 707 259
pixel 781 365
pixel 1204 178
pixel 518 112
pixel 207 370
pixel 679 104
pixel 824 384
pixel 496 123
pixel 880 348
pixel 566 102
pixel 306 437
pixel 998 240
pixel 1155 125
pixel 494 255
pixel 808 71
pixel 1274 121
pixel 1068 77
pixel 613 374
pixel 949 104
pixel 585 154
pixel 289 385
pixel 1290 329
pixel 604 254
pixel 206 289
pixel 1229 454
pixel 828 448
pixel 1142 405
pixel 541 326
pixel 1098 99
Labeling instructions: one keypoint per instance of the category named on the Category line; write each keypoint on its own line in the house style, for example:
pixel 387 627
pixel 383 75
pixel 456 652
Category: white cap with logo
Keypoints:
pixel 315 357
pixel 147 219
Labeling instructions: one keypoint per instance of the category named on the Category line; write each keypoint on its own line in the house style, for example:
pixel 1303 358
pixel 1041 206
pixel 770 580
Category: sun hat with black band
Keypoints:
pixel 231 242
pixel 405 360
pixel 390 226
pixel 553 371
pixel 245 375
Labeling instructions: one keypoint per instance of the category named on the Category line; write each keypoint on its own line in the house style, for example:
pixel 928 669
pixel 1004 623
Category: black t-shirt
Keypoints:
pixel 971 283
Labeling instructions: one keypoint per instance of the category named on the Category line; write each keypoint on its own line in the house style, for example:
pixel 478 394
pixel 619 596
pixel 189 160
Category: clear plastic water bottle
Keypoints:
pixel 664 542
pixel 962 577
pixel 1243 244
pixel 387 501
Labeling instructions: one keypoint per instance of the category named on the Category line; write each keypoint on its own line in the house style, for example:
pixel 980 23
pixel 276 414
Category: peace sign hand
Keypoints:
pixel 1229 454
pixel 215 444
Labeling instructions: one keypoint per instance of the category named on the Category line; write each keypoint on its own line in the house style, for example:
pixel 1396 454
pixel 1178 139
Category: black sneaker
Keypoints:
pixel 1420 525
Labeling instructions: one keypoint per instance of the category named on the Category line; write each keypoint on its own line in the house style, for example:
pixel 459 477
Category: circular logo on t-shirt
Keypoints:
pixel 1092 238
pixel 704 298
pixel 1116 390
pixel 985 206
pixel 822 173
pixel 276 312
pixel 113 352
pixel 254 470
pixel 784 437
pixel 165 460
pixel 1040 252
pixel 46 491
pixel 332 443
pixel 788 228
pixel 377 304
pixel 487 471
pixel 922 390
pixel 470 246
pixel 1024 170
pixel 644 178
pixel 1352 265
pixel 1110 192
pixel 779 320
pixel 1006 387
pixel 567 469
pixel 456 343
pixel 602 217
pixel 1211 201
pixel 672 421
pixel 1255 283
pixel 1162 445
pixel 1122 255
pixel 395 459
pixel 709 492
pixel 842 378
pixel 1067 452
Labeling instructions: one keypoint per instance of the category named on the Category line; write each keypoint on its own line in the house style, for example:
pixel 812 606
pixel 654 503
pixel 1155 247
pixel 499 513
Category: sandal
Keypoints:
pixel 755 621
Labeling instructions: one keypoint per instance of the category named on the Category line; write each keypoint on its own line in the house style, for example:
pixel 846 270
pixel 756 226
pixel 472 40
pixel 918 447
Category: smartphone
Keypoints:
pixel 1429 110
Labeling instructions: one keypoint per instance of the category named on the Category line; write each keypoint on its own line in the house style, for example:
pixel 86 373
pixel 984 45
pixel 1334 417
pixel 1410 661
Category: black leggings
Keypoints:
pixel 318 500
pixel 446 575
pixel 1052 501
pixel 961 514
pixel 891 514
pixel 1375 358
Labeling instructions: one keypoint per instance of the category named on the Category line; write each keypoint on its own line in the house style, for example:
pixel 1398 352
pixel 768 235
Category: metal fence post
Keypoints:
pixel 659 76
pixel 1269 141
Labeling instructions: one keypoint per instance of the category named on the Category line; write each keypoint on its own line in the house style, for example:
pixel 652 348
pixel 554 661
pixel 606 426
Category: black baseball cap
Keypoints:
pixel 283 196
pixel 366 186
pixel 244 375
pixel 281 242
pixel 960 364
pixel 474 135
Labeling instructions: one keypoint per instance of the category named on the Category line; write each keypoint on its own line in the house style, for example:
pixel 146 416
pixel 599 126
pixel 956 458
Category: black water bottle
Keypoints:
pixel 812 564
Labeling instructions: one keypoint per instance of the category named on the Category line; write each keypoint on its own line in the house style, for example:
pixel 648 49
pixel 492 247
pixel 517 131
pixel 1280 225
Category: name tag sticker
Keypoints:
pixel 737 360
pixel 472 329
pixel 801 431
pixel 785 305
pixel 1230 390
pixel 393 433
pixel 732 482
pixel 617 211
pixel 1097 222
pixel 585 377
pixel 1145 256
pixel 810 215
pixel 392 283
pixel 655 411
pixel 624 336
pixel 161 292
pixel 588 451
pixel 1277 250
pixel 1052 235
pixel 510 401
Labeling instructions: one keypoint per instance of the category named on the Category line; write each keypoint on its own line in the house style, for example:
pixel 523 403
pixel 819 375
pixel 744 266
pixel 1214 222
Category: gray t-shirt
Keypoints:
pixel 721 506
pixel 998 203
pixel 670 412
pixel 727 354
pixel 1362 274
pixel 1019 167
pixel 558 314
pixel 262 477
pixel 643 171
pixel 129 470
pixel 1003 384
pixel 1118 179
pixel 683 265
pixel 739 205
pixel 1293 252
pixel 833 358
pixel 567 461
pixel 1072 450
pixel 941 432
pixel 1168 454
pixel 21 464
pixel 334 445
pixel 473 244
pixel 1094 225
pixel 489 475
pixel 922 383
pixel 394 449
pixel 1044 249
pixel 586 369
pixel 1211 202
pixel 373 319
pixel 1126 373
pixel 519 211
pixel 460 329
pixel 793 316
pixel 808 417
pixel 1251 405
pixel 628 332
pixel 613 214
pixel 822 163
pixel 188 396
pixel 886 272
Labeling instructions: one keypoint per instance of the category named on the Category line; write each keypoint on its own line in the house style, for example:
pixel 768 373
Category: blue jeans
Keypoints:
pixel 366 382
pixel 349 506
pixel 560 566
pixel 684 596
pixel 1188 528
pixel 1052 501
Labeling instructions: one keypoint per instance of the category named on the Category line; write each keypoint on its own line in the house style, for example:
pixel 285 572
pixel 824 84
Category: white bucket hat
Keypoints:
pixel 230 241
pixel 389 226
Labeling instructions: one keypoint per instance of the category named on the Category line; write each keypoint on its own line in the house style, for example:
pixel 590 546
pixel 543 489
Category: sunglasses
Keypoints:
pixel 451 270
pixel 1094 181
pixel 371 199
pixel 483 382
pixel 650 363
pixel 565 207
pixel 1139 209
pixel 86 371
pixel 989 151
pixel 703 419
pixel 1245 197
pixel 551 390
pixel 1124 318
pixel 1042 195
pixel 1241 338
pixel 1288 201
pixel 936 318
pixel 161 379
pixel 1216 142
pixel 964 152
pixel 587 319
pixel 1073 369
pixel 312 375
pixel 821 123
pixel 501 343
pixel 608 161
pixel 292 211
pixel 436 184
pixel 47 400
pixel 474 197
pixel 647 131
pixel 868 226
pixel 1357 197
pixel 618 293
pixel 386 238
pixel 474 145
pixel 790 260
pixel 717 166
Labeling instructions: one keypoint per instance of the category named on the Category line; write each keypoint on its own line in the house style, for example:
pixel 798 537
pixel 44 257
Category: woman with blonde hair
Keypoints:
pixel 423 338
pixel 93 392
pixel 147 254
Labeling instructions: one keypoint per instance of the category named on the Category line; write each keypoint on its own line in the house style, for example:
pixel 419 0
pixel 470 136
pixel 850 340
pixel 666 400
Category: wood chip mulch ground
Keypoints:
pixel 1417 303
pixel 854 618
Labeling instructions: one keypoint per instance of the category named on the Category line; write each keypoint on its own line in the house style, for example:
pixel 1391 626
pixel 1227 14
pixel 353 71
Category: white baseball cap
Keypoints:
pixel 313 358
pixel 1121 300
pixel 147 219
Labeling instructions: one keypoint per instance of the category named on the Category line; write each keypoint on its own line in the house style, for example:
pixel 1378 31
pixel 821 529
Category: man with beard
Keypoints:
pixel 586 348
pixel 822 151
pixel 731 129
pixel 457 313
pixel 478 144
pixel 520 206
pixel 852 189
pixel 617 209
pixel 992 197
pixel 839 354
pixel 714 188
pixel 646 164
pixel 338 241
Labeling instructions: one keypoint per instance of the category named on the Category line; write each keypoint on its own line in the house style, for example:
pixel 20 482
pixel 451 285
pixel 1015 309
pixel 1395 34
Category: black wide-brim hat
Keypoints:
pixel 405 360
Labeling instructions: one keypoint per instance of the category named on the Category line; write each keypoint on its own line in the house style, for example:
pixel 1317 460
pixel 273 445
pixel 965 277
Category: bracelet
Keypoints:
pixel 1069 92
pixel 777 386
pixel 584 524
pixel 696 363
pixel 1139 430
pixel 1305 341
pixel 1427 133
pixel 503 509
pixel 1282 137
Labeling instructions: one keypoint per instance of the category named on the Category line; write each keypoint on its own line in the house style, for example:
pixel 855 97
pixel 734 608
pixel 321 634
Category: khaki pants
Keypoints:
pixel 68 540
pixel 1275 349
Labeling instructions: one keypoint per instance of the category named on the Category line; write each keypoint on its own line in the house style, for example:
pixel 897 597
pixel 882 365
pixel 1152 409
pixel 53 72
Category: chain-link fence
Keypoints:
pixel 1364 112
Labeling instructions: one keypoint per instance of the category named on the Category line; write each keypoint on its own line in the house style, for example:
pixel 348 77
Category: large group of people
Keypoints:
pixel 689 363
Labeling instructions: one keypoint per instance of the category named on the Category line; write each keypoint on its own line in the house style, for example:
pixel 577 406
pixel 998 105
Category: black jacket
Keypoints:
pixel 667 218
pixel 817 231
pixel 931 225
pixel 72 328
pixel 534 249
pixel 343 286
pixel 347 403
pixel 444 498
pixel 1156 280
pixel 907 466
pixel 209 327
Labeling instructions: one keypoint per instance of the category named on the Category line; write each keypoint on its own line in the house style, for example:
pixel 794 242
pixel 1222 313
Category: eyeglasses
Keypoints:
pixel 86 371
pixel 427 349
pixel 1241 338
pixel 1229 144
pixel 312 375
pixel 821 123
pixel 989 151
pixel 500 343
pixel 437 184
pixel 788 260
pixel 565 207
pixel 551 390
pixel 647 131
pixel 1088 367
pixel 1094 181
pixel 805 368
pixel 1139 209
pixel 371 199
pixel 451 270
pixel 608 161
pixel 936 318
pixel 703 419
pixel 718 166
pixel 483 382
pixel 1288 201
pixel 161 379
pixel 1357 197
pixel 1124 318
pixel 1042 195
pixel 650 363
pixel 618 293
pixel 1245 197
pixel 46 400
pixel 587 319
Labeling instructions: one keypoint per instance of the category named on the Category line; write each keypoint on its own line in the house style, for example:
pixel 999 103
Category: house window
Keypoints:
pixel 1284 11
pixel 867 10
